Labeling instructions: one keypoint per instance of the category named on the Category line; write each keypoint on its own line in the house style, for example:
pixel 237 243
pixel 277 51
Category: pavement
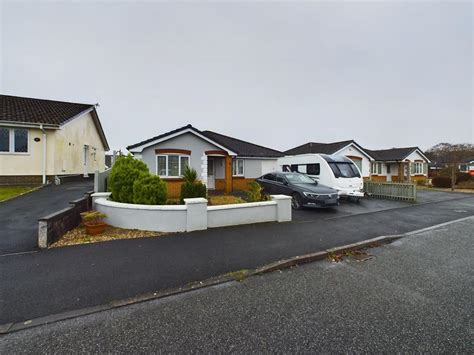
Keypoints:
pixel 19 216
pixel 71 278
pixel 414 295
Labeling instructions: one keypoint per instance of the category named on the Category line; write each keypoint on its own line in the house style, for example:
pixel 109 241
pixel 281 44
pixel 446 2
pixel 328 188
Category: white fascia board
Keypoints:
pixel 356 147
pixel 424 156
pixel 257 158
pixel 419 152
pixel 139 149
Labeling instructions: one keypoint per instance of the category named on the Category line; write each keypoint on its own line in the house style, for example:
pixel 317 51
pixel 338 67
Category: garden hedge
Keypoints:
pixel 441 181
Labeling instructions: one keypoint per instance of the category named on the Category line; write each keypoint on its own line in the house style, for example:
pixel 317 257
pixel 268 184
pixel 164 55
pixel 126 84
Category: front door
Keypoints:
pixel 211 179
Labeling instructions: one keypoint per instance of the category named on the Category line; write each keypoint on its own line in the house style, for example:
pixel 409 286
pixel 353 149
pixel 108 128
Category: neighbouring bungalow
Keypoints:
pixel 399 164
pixel 223 163
pixel 349 148
pixel 42 139
pixel 467 166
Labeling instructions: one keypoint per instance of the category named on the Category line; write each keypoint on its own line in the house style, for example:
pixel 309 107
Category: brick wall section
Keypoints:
pixel 238 184
pixel 174 187
pixel 241 184
pixel 22 179
pixel 54 226
pixel 27 180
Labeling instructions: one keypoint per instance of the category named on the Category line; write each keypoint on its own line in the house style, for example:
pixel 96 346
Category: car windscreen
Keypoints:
pixel 344 170
pixel 299 179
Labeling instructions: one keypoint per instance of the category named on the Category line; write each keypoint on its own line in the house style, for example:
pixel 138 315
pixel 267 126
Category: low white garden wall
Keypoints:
pixel 193 215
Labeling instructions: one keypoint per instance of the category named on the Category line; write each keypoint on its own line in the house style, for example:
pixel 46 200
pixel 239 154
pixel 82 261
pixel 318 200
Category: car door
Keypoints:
pixel 281 186
pixel 267 182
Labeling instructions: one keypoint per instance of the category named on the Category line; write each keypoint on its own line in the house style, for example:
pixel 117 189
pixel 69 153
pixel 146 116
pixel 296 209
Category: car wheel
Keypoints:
pixel 296 202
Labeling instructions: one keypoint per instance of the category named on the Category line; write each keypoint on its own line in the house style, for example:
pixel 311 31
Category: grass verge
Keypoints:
pixel 469 191
pixel 9 192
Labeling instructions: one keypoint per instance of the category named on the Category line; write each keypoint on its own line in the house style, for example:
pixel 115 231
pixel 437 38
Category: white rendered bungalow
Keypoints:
pixel 44 139
pixel 222 162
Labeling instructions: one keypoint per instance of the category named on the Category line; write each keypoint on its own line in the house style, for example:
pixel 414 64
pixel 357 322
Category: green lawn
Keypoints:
pixel 7 192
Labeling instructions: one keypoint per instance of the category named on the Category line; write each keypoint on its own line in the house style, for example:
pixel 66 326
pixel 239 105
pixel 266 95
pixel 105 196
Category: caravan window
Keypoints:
pixel 313 169
pixel 344 170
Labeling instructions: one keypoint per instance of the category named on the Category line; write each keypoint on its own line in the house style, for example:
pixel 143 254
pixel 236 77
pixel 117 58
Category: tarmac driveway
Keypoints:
pixel 19 216
pixel 367 205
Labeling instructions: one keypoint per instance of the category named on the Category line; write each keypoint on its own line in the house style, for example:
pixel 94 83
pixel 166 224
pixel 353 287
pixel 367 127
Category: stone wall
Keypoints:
pixel 54 226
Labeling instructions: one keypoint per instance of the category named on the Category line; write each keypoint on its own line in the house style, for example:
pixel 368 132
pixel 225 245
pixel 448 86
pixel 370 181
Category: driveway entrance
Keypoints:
pixel 19 216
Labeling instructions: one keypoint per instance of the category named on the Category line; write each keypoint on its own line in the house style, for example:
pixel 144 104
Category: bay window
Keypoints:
pixel 238 167
pixel 171 165
pixel 13 140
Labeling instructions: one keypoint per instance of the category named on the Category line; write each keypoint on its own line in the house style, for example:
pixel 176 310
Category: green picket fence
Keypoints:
pixel 391 190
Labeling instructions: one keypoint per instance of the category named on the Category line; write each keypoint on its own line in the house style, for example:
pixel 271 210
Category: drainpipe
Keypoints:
pixel 44 154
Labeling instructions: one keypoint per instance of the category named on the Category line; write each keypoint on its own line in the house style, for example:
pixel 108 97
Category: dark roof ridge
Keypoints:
pixel 338 142
pixel 49 100
pixel 395 148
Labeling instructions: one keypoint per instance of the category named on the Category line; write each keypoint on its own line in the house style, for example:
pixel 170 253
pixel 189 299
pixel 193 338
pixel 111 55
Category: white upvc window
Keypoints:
pixel 238 167
pixel 14 140
pixel 171 165
pixel 417 168
pixel 377 168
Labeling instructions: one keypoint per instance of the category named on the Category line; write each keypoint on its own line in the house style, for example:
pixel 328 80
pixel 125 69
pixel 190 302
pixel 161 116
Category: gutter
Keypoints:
pixel 28 125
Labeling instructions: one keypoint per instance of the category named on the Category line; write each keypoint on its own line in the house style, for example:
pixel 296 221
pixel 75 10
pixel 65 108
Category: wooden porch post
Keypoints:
pixel 401 174
pixel 228 174
pixel 409 171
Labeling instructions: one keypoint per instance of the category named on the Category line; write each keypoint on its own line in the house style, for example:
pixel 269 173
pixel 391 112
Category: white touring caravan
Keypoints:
pixel 335 171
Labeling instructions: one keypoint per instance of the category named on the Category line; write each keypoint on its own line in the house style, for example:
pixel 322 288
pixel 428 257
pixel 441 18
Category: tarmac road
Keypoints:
pixel 415 295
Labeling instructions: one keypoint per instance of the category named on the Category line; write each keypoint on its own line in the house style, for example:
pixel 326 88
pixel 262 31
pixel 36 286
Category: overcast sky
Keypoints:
pixel 278 74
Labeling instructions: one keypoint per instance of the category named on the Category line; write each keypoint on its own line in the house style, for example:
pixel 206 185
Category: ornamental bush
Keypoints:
pixel 256 193
pixel 441 181
pixel 125 171
pixel 192 187
pixel 149 190
pixel 461 177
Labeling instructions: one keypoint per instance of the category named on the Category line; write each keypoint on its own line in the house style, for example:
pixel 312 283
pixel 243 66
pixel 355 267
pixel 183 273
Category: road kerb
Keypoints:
pixel 308 258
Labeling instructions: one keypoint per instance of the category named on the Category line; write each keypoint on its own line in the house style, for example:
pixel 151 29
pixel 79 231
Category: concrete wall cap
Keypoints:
pixel 190 201
pixel 241 205
pixel 101 194
pixel 132 206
